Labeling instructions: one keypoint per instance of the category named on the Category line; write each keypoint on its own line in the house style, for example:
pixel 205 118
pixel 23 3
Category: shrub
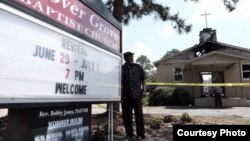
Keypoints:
pixel 160 97
pixel 185 117
pixel 145 100
pixel 156 123
pixel 181 96
pixel 169 118
pixel 3 121
pixel 169 96
pixel 100 133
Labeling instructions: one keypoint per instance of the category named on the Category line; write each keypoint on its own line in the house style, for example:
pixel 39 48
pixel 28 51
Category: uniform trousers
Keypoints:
pixel 218 101
pixel 128 105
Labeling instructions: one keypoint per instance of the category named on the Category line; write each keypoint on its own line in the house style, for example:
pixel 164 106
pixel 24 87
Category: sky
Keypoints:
pixel 153 37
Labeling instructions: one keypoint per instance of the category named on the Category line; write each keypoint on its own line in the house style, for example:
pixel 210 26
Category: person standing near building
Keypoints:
pixel 134 88
pixel 217 90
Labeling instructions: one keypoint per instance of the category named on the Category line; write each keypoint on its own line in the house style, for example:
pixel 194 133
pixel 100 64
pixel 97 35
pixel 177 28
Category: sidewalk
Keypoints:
pixel 243 112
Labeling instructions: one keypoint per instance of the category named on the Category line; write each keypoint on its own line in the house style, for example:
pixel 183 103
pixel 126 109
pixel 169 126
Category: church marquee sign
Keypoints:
pixel 57 51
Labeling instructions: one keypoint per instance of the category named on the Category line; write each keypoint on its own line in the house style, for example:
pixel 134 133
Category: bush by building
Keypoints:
pixel 160 96
pixel 181 96
pixel 169 96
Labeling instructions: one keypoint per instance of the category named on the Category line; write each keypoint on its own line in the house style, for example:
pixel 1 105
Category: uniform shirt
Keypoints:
pixel 133 77
pixel 217 89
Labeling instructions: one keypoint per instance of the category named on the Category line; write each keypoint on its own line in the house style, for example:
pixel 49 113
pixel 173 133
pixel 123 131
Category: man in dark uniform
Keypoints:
pixel 217 90
pixel 134 88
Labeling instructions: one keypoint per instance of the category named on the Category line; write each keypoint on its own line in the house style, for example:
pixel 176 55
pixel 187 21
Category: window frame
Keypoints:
pixel 242 71
pixel 174 74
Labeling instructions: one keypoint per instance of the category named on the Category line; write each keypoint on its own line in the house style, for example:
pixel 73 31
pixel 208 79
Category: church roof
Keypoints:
pixel 219 53
pixel 208 42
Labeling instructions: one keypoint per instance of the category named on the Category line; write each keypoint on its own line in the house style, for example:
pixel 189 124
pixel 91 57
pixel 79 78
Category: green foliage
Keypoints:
pixel 169 118
pixel 185 117
pixel 160 96
pixel 126 10
pixel 147 67
pixel 3 121
pixel 156 123
pixel 145 100
pixel 145 62
pixel 169 96
pixel 230 4
pixel 101 133
pixel 151 76
pixel 181 96
pixel 170 53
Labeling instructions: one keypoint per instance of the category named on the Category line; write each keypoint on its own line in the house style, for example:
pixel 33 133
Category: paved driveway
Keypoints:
pixel 195 111
pixel 177 110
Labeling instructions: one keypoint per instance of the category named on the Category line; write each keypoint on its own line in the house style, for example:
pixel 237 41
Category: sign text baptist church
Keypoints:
pixel 74 15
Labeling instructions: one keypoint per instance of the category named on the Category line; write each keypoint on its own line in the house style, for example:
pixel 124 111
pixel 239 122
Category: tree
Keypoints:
pixel 170 53
pixel 148 68
pixel 145 62
pixel 152 76
pixel 125 10
pixel 230 4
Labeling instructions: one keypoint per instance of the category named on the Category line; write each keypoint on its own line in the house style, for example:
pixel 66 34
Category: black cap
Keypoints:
pixel 128 53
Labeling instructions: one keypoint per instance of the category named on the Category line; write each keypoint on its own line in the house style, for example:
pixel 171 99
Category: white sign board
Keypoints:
pixel 42 63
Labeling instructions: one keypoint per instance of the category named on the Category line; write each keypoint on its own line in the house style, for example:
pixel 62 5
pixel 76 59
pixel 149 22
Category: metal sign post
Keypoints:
pixel 110 122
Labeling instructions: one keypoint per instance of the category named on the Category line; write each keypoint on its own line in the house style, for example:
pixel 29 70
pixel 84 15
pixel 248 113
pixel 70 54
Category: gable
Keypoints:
pixel 181 57
pixel 188 53
pixel 235 51
pixel 216 57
